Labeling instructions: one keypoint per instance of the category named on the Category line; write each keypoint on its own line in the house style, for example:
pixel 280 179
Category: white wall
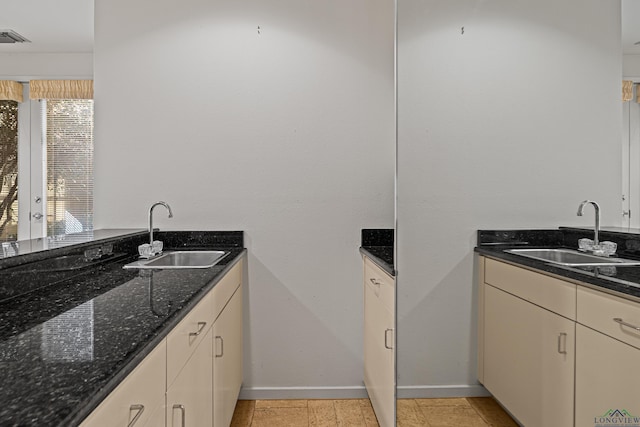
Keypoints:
pixel 509 125
pixel 26 66
pixel 274 117
pixel 631 67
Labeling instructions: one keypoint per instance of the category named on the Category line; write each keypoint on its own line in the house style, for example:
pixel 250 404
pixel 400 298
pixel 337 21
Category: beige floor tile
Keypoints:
pixel 452 416
pixel 491 412
pixel 322 413
pixel 408 414
pixel 364 403
pixel 469 412
pixel 451 401
pixel 284 403
pixel 280 417
pixel 243 414
pixel 368 413
pixel 349 413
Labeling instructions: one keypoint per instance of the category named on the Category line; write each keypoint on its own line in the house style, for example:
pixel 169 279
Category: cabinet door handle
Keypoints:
pixel 375 282
pixel 628 325
pixel 386 343
pixel 221 346
pixel 183 410
pixel 201 326
pixel 562 343
pixel 140 409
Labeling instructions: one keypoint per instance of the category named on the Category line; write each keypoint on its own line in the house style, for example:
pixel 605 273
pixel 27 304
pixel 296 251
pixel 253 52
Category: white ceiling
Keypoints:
pixel 52 26
pixel 66 26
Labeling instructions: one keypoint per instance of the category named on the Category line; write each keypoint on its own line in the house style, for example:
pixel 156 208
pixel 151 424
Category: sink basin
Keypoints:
pixel 181 259
pixel 571 258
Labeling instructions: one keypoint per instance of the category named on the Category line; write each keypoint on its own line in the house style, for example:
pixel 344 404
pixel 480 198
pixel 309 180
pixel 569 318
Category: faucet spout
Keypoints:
pixel 596 239
pixel 166 205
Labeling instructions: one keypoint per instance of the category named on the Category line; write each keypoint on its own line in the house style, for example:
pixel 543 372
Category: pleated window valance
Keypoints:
pixel 61 89
pixel 627 90
pixel 10 91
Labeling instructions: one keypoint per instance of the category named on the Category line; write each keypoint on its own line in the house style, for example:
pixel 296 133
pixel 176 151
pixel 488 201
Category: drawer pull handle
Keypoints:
pixel 221 346
pixel 562 343
pixel 181 407
pixel 140 409
pixel 375 282
pixel 623 323
pixel 386 343
pixel 201 326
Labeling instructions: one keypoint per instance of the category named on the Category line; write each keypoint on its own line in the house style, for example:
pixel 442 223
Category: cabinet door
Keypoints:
pixel 227 361
pixel 379 374
pixel 187 336
pixel 529 359
pixel 607 379
pixel 189 397
pixel 157 417
pixel 139 395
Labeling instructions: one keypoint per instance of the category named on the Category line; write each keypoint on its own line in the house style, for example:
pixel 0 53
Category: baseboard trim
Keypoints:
pixel 440 391
pixel 359 392
pixel 270 393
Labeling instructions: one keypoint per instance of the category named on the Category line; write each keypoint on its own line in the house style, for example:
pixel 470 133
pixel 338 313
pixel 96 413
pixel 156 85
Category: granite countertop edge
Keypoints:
pixel 85 408
pixel 68 243
pixel 382 256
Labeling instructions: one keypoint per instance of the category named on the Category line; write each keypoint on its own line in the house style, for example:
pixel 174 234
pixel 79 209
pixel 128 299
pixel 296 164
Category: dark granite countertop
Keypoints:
pixel 67 343
pixel 24 247
pixel 620 281
pixel 377 244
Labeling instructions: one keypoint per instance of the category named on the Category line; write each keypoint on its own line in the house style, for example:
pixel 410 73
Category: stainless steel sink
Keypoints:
pixel 181 259
pixel 571 258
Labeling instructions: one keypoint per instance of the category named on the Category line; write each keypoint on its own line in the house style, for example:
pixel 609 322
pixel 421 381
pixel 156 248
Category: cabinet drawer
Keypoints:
pixel 381 283
pixel 547 292
pixel 598 310
pixel 141 393
pixel 185 337
pixel 225 288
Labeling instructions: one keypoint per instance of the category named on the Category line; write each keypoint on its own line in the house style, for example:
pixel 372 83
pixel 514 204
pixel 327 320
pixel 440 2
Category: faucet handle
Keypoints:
pixel 585 245
pixel 145 251
pixel 156 247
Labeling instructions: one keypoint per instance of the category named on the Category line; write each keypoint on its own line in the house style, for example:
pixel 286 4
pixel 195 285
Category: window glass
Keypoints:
pixel 8 171
pixel 69 160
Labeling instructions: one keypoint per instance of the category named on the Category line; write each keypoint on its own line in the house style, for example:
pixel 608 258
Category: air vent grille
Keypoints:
pixel 10 36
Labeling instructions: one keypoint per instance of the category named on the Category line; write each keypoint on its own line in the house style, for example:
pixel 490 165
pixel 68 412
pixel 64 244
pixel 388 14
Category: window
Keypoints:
pixel 46 144
pixel 69 165
pixel 8 170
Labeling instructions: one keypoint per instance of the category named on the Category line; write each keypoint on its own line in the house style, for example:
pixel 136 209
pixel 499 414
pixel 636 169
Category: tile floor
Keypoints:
pixel 454 412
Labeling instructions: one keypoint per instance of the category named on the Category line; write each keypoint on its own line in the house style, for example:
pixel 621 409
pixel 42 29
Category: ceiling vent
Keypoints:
pixel 10 36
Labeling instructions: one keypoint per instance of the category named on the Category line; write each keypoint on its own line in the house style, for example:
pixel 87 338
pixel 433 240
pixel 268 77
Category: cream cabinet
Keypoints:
pixel 527 343
pixel 227 360
pixel 187 336
pixel 557 353
pixel 607 358
pixel 528 359
pixel 379 354
pixel 190 396
pixel 139 399
pixel 204 358
pixel 193 377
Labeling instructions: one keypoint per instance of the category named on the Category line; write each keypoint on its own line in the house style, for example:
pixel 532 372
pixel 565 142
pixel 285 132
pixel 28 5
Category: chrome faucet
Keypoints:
pixel 166 205
pixel 596 239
